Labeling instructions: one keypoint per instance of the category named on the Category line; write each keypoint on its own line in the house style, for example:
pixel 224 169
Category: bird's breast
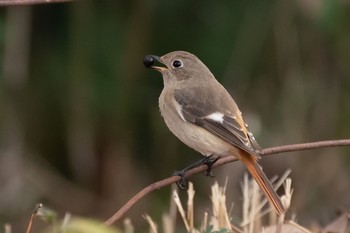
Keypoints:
pixel 192 135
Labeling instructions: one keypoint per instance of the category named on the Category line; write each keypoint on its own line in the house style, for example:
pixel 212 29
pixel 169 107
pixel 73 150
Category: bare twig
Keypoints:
pixel 220 162
pixel 35 212
pixel 305 146
pixel 29 2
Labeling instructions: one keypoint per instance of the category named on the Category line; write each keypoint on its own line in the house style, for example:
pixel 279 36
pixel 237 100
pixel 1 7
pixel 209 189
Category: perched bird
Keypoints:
pixel 201 113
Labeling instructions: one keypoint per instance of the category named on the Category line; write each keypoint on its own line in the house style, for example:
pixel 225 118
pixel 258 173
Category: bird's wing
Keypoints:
pixel 204 113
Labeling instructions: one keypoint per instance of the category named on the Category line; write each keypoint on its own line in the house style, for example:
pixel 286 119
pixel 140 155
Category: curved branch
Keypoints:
pixel 220 162
pixel 305 146
pixel 29 2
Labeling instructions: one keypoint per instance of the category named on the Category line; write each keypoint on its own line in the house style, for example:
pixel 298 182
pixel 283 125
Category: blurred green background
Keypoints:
pixel 80 129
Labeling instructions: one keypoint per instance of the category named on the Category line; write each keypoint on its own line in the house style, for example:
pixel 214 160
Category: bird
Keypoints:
pixel 200 112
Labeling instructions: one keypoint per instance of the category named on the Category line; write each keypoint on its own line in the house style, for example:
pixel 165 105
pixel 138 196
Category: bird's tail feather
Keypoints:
pixel 254 169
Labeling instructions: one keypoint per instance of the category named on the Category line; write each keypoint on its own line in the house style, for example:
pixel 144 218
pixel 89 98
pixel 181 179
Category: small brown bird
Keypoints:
pixel 203 115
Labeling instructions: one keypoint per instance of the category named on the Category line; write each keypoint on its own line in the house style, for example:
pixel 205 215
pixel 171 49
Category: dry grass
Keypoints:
pixel 255 210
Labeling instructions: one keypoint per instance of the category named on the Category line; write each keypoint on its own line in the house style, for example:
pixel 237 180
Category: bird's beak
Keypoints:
pixel 148 61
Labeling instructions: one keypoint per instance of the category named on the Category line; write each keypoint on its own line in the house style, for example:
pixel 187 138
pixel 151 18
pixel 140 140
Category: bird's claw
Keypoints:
pixel 209 173
pixel 210 162
pixel 182 183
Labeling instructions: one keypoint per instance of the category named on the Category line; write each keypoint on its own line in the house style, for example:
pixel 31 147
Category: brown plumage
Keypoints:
pixel 264 184
pixel 203 115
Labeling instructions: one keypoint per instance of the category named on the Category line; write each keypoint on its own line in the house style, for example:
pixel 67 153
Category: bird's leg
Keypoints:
pixel 208 160
pixel 182 184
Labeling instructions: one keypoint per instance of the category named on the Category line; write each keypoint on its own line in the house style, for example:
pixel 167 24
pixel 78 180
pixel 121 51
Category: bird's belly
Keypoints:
pixel 198 138
pixel 192 135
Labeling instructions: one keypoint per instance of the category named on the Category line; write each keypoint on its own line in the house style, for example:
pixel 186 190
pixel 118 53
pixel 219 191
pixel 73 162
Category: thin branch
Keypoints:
pixel 220 162
pixel 29 2
pixel 305 146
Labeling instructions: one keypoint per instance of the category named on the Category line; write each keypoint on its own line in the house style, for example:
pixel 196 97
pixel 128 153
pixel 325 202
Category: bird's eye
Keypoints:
pixel 177 64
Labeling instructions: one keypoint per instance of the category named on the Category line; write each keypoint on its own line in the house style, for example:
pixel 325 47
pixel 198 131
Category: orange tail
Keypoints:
pixel 265 185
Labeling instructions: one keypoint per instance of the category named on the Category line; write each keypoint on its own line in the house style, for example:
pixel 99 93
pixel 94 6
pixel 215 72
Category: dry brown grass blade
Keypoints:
pixel 220 218
pixel 152 225
pixel 181 210
pixel 8 228
pixel 128 227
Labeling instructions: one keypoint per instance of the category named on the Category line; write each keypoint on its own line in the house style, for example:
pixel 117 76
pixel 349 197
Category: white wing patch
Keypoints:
pixel 179 110
pixel 216 116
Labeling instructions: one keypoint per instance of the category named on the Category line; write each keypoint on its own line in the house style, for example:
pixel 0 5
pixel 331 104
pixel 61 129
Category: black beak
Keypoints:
pixel 148 61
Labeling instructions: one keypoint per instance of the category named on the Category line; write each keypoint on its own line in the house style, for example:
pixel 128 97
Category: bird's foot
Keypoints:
pixel 210 160
pixel 182 183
